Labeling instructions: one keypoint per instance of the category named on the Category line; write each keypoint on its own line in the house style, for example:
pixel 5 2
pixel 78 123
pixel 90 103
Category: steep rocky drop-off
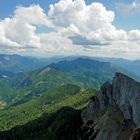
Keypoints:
pixel 114 114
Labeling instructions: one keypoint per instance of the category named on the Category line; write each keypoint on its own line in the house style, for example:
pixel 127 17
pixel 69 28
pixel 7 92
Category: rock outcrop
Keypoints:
pixel 126 94
pixel 114 113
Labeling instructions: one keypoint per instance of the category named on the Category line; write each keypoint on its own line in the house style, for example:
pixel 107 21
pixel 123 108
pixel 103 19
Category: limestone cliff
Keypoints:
pixel 114 114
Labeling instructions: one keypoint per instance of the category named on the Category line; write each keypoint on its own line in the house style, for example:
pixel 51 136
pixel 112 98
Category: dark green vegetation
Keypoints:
pixel 9 90
pixel 62 125
pixel 2 104
pixel 66 95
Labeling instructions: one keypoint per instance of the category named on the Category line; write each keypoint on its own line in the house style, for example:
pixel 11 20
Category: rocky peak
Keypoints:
pixel 126 94
pixel 123 96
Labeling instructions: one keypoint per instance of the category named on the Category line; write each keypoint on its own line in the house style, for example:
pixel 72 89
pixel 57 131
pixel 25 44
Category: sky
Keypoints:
pixel 44 28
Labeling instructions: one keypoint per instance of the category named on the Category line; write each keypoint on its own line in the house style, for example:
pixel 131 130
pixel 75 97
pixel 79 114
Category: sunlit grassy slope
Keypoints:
pixel 65 95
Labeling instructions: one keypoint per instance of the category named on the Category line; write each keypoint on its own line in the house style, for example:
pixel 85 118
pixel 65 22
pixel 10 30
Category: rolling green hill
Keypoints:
pixel 66 95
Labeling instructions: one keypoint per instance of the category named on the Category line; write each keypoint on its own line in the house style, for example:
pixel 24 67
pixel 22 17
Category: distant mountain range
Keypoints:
pixel 17 63
pixel 84 72
pixel 132 66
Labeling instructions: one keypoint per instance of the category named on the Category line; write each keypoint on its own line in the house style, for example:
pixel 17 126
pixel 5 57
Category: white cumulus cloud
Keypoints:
pixel 19 30
pixel 78 29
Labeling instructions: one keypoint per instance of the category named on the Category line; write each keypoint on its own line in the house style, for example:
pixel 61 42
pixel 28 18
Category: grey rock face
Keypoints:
pixel 115 111
pixel 105 96
pixel 126 93
pixel 92 111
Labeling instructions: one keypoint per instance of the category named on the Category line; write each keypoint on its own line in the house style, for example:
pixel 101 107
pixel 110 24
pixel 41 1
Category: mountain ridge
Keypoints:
pixel 116 108
pixel 84 72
